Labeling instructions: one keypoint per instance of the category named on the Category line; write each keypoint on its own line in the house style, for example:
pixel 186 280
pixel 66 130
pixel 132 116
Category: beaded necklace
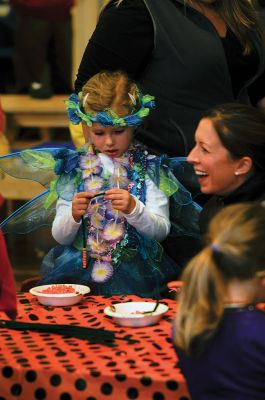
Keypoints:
pixel 107 229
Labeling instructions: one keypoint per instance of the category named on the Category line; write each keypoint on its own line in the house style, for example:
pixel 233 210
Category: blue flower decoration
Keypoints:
pixel 150 104
pixel 74 97
pixel 66 161
pixel 132 120
pixel 104 119
pixel 74 118
pixel 71 163
pixel 61 153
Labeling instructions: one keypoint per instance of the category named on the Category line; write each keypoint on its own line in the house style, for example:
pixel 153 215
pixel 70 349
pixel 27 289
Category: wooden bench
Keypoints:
pixel 25 111
pixel 18 189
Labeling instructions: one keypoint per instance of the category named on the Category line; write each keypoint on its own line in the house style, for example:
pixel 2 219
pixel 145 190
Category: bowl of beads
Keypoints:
pixel 60 294
pixel 136 313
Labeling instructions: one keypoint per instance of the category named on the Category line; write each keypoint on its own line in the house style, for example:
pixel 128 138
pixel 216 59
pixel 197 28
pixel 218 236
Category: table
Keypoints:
pixel 48 366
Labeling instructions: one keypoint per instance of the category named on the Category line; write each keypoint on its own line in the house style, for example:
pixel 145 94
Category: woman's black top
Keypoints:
pixel 253 189
pixel 131 50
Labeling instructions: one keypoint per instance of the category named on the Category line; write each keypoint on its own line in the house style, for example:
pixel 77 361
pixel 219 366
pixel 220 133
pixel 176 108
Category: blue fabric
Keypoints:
pixel 130 277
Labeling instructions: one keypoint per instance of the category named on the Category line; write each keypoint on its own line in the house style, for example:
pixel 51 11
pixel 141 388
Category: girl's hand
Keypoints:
pixel 79 204
pixel 121 200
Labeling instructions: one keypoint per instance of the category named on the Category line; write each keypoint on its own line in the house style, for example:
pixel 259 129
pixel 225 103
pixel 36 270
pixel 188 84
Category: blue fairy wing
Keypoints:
pixel 54 168
pixel 172 175
pixel 185 174
pixel 29 217
pixel 184 211
pixel 36 165
pixel 175 176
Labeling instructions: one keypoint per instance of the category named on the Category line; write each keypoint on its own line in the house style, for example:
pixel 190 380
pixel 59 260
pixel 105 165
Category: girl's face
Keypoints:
pixel 112 141
pixel 216 170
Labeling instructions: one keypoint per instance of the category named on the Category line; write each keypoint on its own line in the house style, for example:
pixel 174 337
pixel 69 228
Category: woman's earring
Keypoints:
pixel 237 173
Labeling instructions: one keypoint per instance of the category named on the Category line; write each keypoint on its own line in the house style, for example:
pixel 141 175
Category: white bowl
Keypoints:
pixel 124 313
pixel 62 299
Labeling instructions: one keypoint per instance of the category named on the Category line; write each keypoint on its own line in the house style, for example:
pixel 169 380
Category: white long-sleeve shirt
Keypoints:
pixel 151 219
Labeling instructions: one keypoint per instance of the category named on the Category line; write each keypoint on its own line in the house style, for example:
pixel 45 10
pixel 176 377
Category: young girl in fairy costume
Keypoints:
pixel 113 197
pixel 123 224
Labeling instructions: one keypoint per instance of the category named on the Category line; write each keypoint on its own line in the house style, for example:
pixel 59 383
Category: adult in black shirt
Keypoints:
pixel 190 54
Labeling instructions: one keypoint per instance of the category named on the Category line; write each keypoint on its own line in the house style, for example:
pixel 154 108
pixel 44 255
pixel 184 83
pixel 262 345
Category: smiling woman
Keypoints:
pixel 228 157
pixel 207 157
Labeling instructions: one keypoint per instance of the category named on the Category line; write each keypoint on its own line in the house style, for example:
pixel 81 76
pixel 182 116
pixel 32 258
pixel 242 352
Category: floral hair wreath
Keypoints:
pixel 108 117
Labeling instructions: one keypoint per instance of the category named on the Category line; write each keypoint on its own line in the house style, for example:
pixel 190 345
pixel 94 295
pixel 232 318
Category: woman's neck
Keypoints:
pixel 242 292
pixel 210 12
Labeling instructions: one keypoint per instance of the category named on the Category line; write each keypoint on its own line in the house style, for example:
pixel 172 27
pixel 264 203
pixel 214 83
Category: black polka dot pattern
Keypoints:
pixel 31 376
pixel 44 366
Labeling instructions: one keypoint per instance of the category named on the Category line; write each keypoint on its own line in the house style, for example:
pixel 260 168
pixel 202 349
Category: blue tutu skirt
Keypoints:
pixel 63 264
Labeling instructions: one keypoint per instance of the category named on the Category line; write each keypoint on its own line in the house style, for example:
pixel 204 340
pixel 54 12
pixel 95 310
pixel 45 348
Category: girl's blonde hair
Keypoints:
pixel 240 17
pixel 236 238
pixel 110 90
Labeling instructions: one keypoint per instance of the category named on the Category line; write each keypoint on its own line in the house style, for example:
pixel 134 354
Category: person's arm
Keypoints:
pixel 151 219
pixel 64 227
pixel 122 40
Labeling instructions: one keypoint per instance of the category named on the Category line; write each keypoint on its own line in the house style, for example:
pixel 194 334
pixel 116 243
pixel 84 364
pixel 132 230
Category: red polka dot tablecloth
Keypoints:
pixel 42 365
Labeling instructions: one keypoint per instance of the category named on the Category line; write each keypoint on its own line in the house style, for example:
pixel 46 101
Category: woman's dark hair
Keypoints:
pixel 240 17
pixel 241 129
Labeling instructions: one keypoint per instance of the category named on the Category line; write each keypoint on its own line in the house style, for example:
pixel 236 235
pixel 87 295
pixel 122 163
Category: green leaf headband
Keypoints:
pixel 108 117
